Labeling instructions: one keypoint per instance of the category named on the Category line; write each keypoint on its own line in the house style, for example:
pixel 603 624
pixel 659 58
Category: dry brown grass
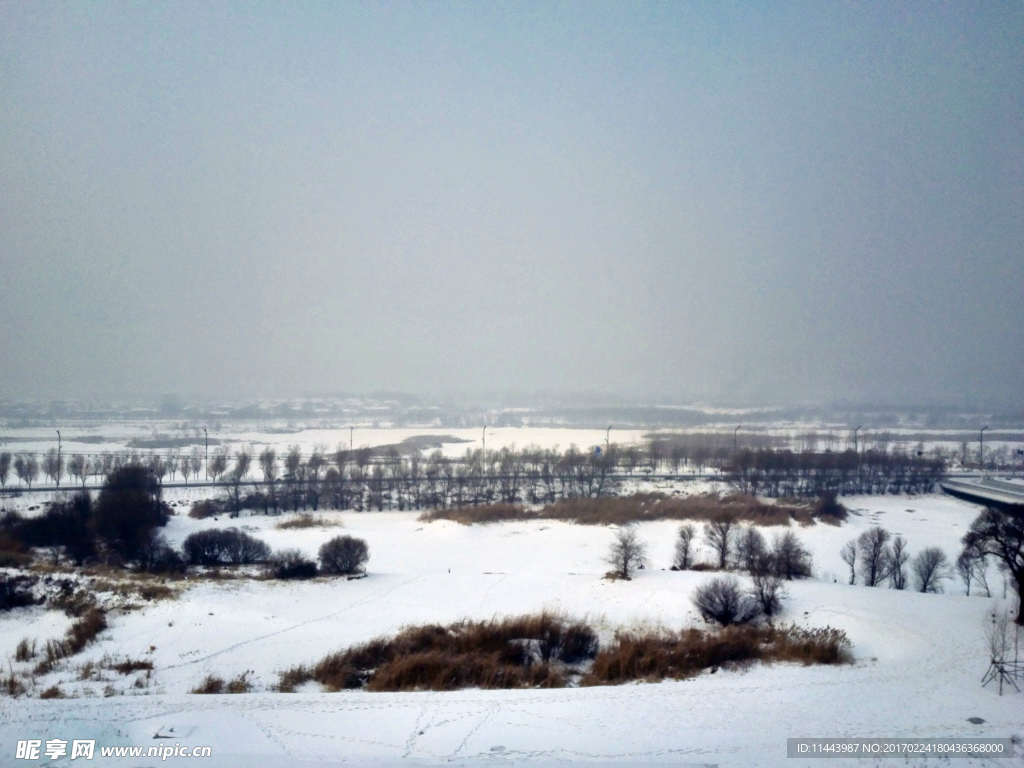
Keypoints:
pixel 640 507
pixel 483 513
pixel 25 651
pixel 516 652
pixel 644 507
pixel 210 684
pixel 654 656
pixel 128 666
pixel 309 521
pixel 53 692
pixel 79 635
pixel 215 684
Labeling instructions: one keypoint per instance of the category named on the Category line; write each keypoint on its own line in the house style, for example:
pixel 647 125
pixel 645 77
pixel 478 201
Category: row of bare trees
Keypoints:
pixel 772 472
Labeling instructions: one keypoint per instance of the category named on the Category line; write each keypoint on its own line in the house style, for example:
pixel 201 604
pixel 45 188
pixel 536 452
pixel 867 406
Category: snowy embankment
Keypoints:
pixel 919 658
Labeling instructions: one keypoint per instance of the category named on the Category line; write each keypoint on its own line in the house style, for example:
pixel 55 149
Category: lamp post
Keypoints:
pixel 607 439
pixel 58 457
pixel 206 452
pixel 351 439
pixel 981 438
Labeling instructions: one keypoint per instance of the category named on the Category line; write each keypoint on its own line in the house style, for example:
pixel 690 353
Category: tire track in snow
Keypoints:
pixel 350 606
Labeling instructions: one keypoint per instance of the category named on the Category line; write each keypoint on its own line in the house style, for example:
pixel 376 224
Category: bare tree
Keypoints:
pixel 874 554
pixel 197 462
pixel 897 563
pixel 185 463
pixel 789 558
pixel 627 552
pixel 78 468
pixel 751 549
pixel 172 461
pixel 218 464
pixel 930 567
pixel 719 535
pixel 268 464
pixel 1000 534
pixel 243 459
pixel 26 467
pixel 5 468
pixel 849 554
pixel 768 590
pixel 684 546
pixel 53 466
pixel 157 466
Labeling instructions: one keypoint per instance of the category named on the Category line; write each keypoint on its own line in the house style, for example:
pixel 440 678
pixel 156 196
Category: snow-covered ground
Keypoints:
pixel 919 658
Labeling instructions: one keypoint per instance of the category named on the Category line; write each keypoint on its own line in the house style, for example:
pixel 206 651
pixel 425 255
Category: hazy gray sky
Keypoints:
pixel 769 201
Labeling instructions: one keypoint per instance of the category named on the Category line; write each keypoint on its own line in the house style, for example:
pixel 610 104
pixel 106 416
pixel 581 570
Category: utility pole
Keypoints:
pixel 206 453
pixel 58 457
pixel 981 436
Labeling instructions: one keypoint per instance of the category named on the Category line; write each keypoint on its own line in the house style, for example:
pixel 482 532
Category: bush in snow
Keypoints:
pixel 344 555
pixel 217 547
pixel 290 564
pixel 720 600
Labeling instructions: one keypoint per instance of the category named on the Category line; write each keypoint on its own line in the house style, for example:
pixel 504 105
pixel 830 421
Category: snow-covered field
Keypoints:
pixel 919 657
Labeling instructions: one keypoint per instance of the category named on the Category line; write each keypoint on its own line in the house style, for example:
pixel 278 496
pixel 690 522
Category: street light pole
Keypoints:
pixel 981 436
pixel 735 440
pixel 483 449
pixel 607 439
pixel 58 457
pixel 351 439
pixel 206 453
pixel 856 447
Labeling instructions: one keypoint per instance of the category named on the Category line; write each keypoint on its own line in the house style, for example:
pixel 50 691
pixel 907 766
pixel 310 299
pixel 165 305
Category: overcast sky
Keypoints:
pixel 771 202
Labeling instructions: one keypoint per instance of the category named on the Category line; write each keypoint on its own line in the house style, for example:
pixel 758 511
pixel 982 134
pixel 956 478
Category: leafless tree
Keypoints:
pixel 750 549
pixel 627 552
pixel 767 590
pixel 719 535
pixel 26 467
pixel 157 466
pixel 268 464
pixel 243 459
pixel 849 554
pixel 53 466
pixel 930 567
pixel 965 566
pixel 197 462
pixel 896 565
pixel 5 468
pixel 789 558
pixel 218 464
pixel 1000 534
pixel 185 464
pixel 684 546
pixel 172 461
pixel 874 554
pixel 78 468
